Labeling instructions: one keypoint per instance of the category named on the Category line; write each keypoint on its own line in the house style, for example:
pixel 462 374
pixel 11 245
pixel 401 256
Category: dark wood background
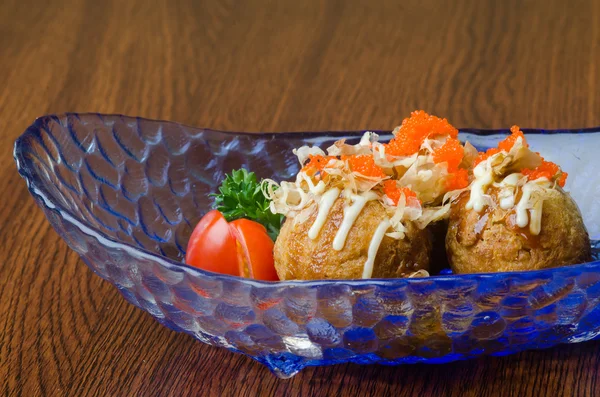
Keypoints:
pixel 265 66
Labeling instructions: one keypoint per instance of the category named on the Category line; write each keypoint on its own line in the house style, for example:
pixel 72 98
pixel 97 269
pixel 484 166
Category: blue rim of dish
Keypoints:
pixel 174 265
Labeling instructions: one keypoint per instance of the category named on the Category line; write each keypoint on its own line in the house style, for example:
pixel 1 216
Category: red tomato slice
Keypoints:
pixel 256 249
pixel 212 246
pixel 240 248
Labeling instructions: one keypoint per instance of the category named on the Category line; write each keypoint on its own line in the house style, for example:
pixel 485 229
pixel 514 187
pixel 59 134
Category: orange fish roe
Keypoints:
pixel 391 189
pixel 510 140
pixel 316 163
pixel 562 179
pixel 458 180
pixel 505 145
pixel 415 129
pixel 451 152
pixel 364 165
pixel 546 170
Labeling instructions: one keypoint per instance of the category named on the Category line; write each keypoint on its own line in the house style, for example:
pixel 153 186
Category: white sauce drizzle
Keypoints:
pixel 317 189
pixel 350 214
pixel 325 204
pixel 484 176
pixel 507 190
pixel 522 209
pixel 512 179
pixel 528 210
pixel 508 201
pixel 535 225
pixel 374 247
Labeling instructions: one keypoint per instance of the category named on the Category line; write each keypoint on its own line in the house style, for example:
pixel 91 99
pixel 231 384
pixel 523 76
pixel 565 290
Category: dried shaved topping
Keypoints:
pixel 521 170
pixel 416 176
pixel 470 153
pixel 364 165
pixel 458 180
pixel 316 163
pixel 305 151
pixel 415 129
pixel 548 170
pixel 365 146
pixel 451 152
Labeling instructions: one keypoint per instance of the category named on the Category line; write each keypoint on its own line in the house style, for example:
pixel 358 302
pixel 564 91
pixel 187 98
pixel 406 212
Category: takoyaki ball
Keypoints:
pixel 489 241
pixel 298 257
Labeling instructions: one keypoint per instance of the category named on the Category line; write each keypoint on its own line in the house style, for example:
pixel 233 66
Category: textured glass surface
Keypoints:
pixel 125 194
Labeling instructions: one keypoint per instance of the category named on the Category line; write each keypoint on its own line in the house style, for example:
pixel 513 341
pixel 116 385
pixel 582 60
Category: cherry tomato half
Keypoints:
pixel 212 246
pixel 256 248
pixel 240 248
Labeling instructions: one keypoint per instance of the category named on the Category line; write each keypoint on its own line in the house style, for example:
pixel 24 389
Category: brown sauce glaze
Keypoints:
pixel 530 240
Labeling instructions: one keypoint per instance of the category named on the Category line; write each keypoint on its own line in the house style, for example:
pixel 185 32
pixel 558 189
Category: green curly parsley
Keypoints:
pixel 241 196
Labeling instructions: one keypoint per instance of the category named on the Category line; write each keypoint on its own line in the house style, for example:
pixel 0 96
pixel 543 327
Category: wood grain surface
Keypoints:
pixel 265 66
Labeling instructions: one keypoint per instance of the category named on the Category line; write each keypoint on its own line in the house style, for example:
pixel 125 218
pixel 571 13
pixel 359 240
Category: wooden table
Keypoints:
pixel 265 66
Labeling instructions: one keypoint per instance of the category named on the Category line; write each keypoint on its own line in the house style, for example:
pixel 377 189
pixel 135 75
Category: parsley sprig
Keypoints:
pixel 240 196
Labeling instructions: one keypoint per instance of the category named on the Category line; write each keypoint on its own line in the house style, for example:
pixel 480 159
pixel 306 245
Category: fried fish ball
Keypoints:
pixel 489 241
pixel 301 258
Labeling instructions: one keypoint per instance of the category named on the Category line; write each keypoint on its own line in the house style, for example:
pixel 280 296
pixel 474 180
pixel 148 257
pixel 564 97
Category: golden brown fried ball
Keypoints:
pixel 490 242
pixel 298 257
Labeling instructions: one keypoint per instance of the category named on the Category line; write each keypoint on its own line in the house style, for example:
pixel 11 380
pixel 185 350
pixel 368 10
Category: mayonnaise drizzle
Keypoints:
pixel 350 214
pixel 317 189
pixel 522 209
pixel 484 176
pixel 507 190
pixel 374 247
pixel 535 225
pixel 528 210
pixel 325 204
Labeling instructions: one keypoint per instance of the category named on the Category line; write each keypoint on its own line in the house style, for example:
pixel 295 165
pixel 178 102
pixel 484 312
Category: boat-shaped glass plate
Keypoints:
pixel 125 194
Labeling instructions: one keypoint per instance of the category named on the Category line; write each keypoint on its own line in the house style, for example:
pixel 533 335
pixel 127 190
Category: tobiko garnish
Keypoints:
pixel 451 152
pixel 415 129
pixel 505 145
pixel 546 169
pixel 391 189
pixel 364 165
pixel 316 163
pixel 458 180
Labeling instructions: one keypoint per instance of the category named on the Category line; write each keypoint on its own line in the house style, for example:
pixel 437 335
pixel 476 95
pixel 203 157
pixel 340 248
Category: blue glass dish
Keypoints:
pixel 126 192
